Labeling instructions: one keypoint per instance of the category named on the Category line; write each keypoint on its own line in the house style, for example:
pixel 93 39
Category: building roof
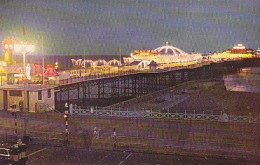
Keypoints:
pixel 170 50
pixel 135 62
pixel 27 87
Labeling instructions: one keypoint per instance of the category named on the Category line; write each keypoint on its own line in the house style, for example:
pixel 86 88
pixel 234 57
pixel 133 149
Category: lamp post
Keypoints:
pixel 24 48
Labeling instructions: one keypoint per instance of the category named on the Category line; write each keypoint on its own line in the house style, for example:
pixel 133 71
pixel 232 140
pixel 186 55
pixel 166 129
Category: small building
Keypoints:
pixel 29 97
pixel 140 64
pixel 153 66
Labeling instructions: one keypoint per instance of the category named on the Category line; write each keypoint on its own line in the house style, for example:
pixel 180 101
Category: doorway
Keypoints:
pixel 5 100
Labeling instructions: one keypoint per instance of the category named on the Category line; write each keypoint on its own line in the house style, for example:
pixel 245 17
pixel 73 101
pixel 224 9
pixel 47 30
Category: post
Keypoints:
pixel 15 124
pixel 43 69
pixel 15 120
pixel 115 138
pixel 66 125
pixel 24 95
pixel 66 115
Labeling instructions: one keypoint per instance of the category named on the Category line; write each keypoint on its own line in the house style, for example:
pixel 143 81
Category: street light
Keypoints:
pixel 56 65
pixel 24 48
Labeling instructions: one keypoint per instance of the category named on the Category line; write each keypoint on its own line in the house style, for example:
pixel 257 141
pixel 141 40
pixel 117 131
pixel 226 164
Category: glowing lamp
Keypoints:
pixel 17 48
pixel 27 48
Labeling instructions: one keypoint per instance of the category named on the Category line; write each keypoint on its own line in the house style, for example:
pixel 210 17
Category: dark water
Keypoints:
pixel 248 80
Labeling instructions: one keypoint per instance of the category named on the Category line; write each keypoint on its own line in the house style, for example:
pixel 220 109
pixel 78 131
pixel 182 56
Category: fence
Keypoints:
pixel 150 114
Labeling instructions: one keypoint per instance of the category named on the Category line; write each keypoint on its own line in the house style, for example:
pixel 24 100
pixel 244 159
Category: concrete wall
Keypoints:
pixel 44 104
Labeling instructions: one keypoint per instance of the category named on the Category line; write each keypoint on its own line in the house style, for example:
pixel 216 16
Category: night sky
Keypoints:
pixel 104 26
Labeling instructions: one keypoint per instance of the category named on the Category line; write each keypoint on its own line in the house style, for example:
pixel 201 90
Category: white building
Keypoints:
pixel 32 97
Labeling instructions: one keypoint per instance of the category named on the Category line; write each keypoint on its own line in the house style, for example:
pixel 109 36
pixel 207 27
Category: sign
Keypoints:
pixel 66 105
pixel 18 75
pixel 145 51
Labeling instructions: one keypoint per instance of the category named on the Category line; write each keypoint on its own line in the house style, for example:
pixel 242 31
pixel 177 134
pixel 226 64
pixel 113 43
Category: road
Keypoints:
pixel 175 137
pixel 65 156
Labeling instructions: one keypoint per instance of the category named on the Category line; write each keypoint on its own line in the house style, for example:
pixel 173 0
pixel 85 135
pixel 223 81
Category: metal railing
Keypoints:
pixel 94 76
pixel 150 114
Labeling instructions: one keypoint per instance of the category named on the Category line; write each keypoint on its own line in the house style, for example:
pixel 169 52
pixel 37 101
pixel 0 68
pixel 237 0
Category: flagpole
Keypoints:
pixel 120 54
pixel 43 67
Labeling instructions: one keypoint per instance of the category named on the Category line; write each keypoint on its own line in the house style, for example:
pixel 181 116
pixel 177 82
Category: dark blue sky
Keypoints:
pixel 103 26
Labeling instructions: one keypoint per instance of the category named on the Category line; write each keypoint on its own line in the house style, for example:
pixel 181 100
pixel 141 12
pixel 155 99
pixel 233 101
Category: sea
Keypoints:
pixel 246 80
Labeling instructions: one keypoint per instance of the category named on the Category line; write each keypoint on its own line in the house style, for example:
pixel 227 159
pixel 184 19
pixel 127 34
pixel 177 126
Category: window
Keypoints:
pixel 49 93
pixel 39 95
pixel 15 93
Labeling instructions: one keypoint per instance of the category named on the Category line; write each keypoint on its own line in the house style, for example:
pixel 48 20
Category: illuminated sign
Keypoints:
pixel 145 51
pixel 18 75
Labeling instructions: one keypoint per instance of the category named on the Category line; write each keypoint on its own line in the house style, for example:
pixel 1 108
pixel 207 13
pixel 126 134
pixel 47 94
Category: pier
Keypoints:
pixel 107 89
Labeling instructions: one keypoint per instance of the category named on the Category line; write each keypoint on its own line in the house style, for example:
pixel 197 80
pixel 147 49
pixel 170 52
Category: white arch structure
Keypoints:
pixel 100 63
pixel 170 50
pixel 114 62
pixel 82 63
pixel 168 54
pixel 76 63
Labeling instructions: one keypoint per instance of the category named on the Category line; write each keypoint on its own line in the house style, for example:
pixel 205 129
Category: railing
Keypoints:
pixel 150 114
pixel 36 140
pixel 120 73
